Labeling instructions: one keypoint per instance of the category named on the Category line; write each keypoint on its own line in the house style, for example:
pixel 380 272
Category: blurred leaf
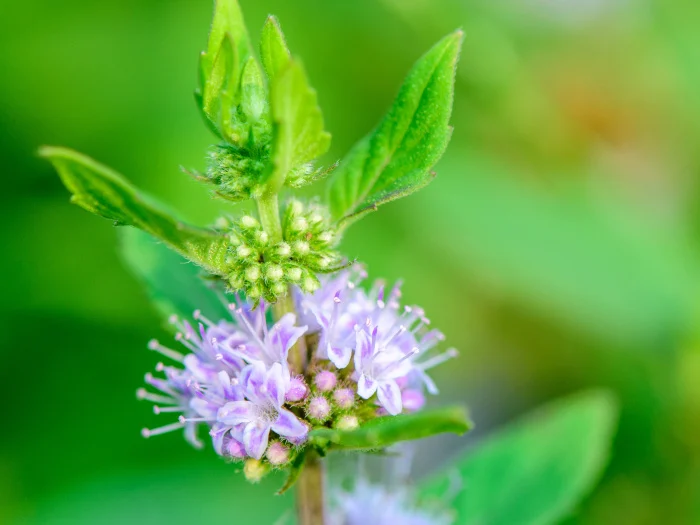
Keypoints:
pixel 174 284
pixel 102 191
pixel 536 471
pixel 273 48
pixel 298 125
pixel 221 67
pixel 385 431
pixel 395 160
pixel 580 260
pixel 178 496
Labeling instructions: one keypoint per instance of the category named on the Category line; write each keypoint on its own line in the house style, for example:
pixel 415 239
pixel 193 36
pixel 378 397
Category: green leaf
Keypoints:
pixel 175 285
pixel 395 159
pixel 221 67
pixel 297 120
pixel 273 49
pixel 253 92
pixel 102 191
pixel 294 472
pixel 385 431
pixel 536 471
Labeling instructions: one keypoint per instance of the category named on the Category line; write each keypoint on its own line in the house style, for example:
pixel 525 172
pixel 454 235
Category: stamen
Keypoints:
pixel 161 430
pixel 162 410
pixel 438 359
pixel 154 345
pixel 144 394
pixel 183 419
pixel 182 339
pixel 197 314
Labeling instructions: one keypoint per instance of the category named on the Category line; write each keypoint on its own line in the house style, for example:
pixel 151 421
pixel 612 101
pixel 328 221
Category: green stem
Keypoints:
pixel 269 210
pixel 310 492
pixel 310 486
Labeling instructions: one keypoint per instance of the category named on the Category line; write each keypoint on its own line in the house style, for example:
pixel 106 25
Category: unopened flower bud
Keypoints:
pixel 325 237
pixel 254 470
pixel 325 380
pixel 262 237
pixel 297 390
pixel 319 408
pixel 283 249
pixel 347 423
pixel 310 285
pixel 249 222
pixel 243 251
pixel 300 224
pixel 294 274
pixel 274 272
pixel 277 454
pixel 301 247
pixel 252 273
pixel 296 207
pixel 344 398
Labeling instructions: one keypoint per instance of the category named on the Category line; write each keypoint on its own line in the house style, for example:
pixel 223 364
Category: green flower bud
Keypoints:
pixel 255 470
pixel 252 273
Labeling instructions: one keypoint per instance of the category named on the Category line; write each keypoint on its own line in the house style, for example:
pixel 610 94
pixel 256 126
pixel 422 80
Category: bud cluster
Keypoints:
pixel 235 170
pixel 265 270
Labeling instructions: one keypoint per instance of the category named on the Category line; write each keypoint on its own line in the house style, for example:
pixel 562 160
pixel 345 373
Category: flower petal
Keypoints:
pixel 389 396
pixel 366 387
pixel 288 425
pixel 275 384
pixel 236 412
pixel 339 356
pixel 428 381
pixel 363 348
pixel 283 335
pixel 253 378
pixel 255 439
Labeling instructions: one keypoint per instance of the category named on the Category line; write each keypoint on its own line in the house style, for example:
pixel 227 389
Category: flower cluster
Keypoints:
pixel 365 360
pixel 376 504
pixel 263 269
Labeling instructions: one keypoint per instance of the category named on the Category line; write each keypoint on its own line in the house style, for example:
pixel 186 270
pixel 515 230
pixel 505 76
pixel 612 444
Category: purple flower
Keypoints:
pixel 256 343
pixel 261 411
pixel 375 504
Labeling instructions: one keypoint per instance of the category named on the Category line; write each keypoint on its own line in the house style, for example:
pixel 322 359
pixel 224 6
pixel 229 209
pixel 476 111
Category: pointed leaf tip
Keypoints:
pixel 395 160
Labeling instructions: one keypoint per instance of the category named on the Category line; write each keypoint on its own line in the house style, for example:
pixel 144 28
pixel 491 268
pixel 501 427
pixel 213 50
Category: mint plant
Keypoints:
pixel 281 352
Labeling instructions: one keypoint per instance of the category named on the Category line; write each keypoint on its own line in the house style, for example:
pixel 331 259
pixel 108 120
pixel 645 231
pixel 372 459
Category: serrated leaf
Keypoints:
pixel 297 120
pixel 395 159
pixel 221 67
pixel 536 471
pixel 174 285
pixel 274 52
pixel 385 431
pixel 102 191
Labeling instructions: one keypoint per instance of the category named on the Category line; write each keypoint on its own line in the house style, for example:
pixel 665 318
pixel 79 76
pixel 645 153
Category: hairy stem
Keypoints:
pixel 310 486
pixel 310 489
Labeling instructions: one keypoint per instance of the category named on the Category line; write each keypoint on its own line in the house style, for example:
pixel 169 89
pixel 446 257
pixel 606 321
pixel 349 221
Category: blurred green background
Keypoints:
pixel 557 249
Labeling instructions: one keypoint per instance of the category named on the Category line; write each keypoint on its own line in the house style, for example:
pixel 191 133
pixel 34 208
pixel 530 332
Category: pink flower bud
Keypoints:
pixel 319 408
pixel 277 454
pixel 344 398
pixel 297 390
pixel 325 381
